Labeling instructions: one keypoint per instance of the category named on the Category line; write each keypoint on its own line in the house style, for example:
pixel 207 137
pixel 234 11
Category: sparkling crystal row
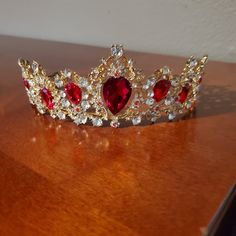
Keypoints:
pixel 115 91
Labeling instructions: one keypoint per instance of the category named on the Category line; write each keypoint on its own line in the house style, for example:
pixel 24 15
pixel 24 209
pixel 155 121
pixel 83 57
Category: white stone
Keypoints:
pixel 82 119
pixel 61 115
pixel 62 94
pixel 137 120
pixel 58 82
pixel 117 50
pixel 35 67
pixel 97 122
pixel 150 93
pixel 67 73
pixel 85 104
pixel 83 82
pixel 115 124
pixel 150 101
pixel 171 115
pixel 65 103
pixel 165 70
pixel 169 101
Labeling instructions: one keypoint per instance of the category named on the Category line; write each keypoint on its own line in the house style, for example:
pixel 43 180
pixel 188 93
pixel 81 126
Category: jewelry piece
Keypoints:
pixel 113 91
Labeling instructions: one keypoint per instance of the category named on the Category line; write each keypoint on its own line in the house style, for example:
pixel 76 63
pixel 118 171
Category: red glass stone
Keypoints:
pixel 161 89
pixel 74 93
pixel 116 93
pixel 183 94
pixel 200 80
pixel 47 98
pixel 26 83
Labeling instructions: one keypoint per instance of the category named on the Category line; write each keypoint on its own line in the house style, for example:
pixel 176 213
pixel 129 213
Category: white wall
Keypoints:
pixel 180 27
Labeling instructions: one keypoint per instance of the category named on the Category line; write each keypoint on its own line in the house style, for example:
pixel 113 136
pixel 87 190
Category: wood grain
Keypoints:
pixel 60 179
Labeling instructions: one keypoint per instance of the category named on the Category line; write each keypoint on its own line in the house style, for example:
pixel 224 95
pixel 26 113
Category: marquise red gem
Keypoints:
pixel 183 94
pixel 47 98
pixel 116 93
pixel 161 89
pixel 26 83
pixel 74 93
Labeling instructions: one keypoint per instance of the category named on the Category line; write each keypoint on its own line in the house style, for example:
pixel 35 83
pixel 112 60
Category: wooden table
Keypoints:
pixel 60 179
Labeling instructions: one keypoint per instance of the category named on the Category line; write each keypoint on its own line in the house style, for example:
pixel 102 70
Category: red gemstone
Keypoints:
pixel 26 83
pixel 183 94
pixel 116 93
pixel 47 98
pixel 200 80
pixel 161 89
pixel 74 93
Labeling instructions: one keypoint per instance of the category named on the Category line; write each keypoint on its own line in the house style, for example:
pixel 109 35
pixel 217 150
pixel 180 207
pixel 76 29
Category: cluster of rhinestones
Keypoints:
pixel 113 91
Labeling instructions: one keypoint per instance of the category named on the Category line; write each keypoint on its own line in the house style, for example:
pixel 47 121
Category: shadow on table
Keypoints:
pixel 214 100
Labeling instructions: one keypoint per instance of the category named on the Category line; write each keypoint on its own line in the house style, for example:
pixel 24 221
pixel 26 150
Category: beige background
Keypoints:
pixel 180 27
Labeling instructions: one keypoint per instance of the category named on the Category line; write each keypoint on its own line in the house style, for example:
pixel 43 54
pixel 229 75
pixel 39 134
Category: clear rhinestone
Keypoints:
pixel 62 94
pixel 169 101
pixel 67 73
pixel 117 50
pixel 58 82
pixel 85 96
pixel 171 115
pixel 85 104
pixel 153 119
pixel 145 86
pixel 189 104
pixel 97 122
pixel 151 81
pixel 150 101
pixel 193 62
pixel 35 67
pixel 150 93
pixel 165 70
pixel 115 124
pixel 130 62
pixel 31 83
pixel 65 103
pixel 82 119
pixel 61 115
pixel 175 81
pixel 137 120
pixel 83 82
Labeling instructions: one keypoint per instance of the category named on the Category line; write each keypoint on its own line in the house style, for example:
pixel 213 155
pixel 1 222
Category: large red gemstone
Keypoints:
pixel 161 89
pixel 116 93
pixel 74 93
pixel 47 98
pixel 183 94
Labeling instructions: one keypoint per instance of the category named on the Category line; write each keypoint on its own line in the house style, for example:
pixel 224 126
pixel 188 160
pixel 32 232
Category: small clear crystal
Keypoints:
pixel 85 96
pixel 145 86
pixel 83 82
pixel 150 93
pixel 171 115
pixel 35 67
pixel 58 82
pixel 165 70
pixel 85 104
pixel 62 94
pixel 65 103
pixel 117 50
pixel 67 73
pixel 115 124
pixel 150 101
pixel 151 81
pixel 193 62
pixel 169 101
pixel 137 120
pixel 97 122
pixel 61 116
pixel 82 119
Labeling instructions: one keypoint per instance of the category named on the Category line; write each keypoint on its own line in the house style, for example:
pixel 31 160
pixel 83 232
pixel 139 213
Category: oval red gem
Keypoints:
pixel 183 94
pixel 116 93
pixel 74 93
pixel 47 98
pixel 26 83
pixel 161 89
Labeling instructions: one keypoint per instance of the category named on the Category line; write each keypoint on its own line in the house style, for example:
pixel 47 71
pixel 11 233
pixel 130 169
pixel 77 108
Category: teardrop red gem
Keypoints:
pixel 161 89
pixel 47 98
pixel 183 94
pixel 74 93
pixel 116 93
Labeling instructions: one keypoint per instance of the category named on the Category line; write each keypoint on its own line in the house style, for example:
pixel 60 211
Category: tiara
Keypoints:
pixel 113 91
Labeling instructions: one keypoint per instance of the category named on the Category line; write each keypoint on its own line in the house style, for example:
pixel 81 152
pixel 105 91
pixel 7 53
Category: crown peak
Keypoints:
pixel 117 50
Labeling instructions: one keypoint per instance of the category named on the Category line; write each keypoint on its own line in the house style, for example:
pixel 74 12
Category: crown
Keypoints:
pixel 113 91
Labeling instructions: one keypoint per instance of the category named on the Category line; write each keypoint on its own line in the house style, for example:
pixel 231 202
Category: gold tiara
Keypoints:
pixel 113 91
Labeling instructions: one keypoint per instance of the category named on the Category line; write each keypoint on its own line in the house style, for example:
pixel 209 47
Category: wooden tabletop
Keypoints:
pixel 60 179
